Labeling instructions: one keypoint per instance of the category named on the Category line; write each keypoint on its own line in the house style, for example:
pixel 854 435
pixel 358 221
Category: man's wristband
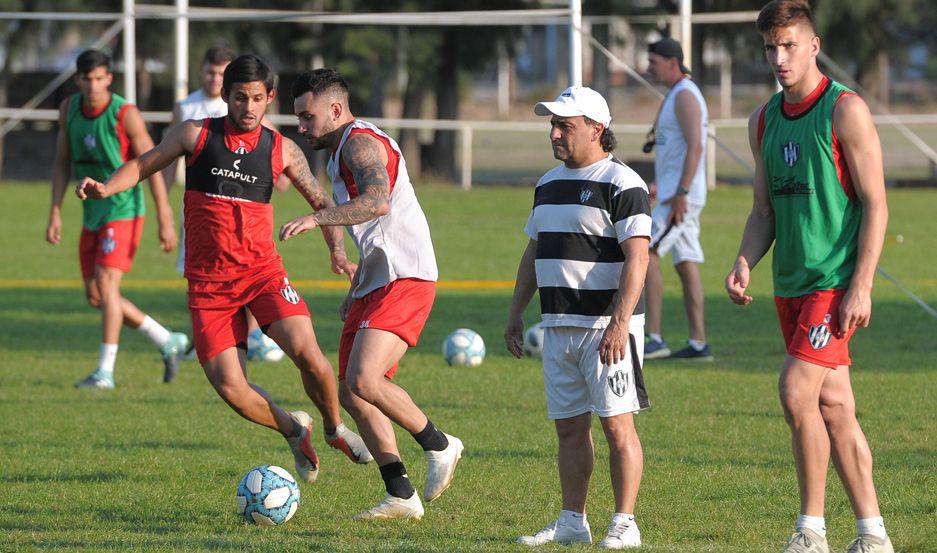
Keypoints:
pixel 681 191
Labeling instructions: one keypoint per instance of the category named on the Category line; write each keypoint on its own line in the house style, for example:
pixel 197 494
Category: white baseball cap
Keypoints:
pixel 577 100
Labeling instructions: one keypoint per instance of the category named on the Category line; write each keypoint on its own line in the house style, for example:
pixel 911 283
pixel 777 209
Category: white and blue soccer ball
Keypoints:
pixel 533 341
pixel 464 347
pixel 268 495
pixel 261 347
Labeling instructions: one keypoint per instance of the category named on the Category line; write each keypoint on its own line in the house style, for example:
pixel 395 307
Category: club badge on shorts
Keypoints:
pixel 108 243
pixel 288 292
pixel 618 383
pixel 819 335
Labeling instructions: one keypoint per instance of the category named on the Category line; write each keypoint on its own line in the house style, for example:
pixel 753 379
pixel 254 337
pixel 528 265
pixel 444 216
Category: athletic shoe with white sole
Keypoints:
pixel 307 462
pixel 656 349
pixel 394 507
pixel 350 444
pixel 558 533
pixel 621 535
pixel 98 379
pixel 806 541
pixel 690 353
pixel 441 468
pixel 173 351
pixel 866 543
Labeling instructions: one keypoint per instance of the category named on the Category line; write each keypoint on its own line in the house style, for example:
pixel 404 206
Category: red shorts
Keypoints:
pixel 401 307
pixel 217 308
pixel 810 324
pixel 112 245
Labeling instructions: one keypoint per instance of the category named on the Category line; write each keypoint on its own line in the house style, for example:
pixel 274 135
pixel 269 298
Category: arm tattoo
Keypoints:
pixel 298 172
pixel 362 156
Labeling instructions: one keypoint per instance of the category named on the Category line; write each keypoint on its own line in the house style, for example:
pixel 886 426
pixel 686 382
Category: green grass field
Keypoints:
pixel 154 467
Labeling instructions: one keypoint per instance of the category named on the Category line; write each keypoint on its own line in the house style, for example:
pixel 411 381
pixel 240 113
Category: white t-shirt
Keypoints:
pixel 199 106
pixel 671 147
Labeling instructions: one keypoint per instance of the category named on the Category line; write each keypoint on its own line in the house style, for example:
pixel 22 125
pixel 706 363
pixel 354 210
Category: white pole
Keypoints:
pixel 130 54
pixel 575 43
pixel 181 84
pixel 504 80
pixel 466 157
pixel 686 35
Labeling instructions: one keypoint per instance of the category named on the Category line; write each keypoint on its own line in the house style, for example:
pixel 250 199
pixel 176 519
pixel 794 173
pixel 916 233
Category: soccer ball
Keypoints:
pixel 261 347
pixel 267 495
pixel 533 341
pixel 464 347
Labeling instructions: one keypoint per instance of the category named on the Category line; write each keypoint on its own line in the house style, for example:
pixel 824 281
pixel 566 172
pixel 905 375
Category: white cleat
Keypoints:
pixel 307 462
pixel 621 535
pixel 441 468
pixel 866 543
pixel 558 533
pixel 394 507
pixel 350 444
pixel 806 541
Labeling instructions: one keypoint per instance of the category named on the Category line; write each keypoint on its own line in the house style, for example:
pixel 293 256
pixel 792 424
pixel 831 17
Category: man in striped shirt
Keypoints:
pixel 588 252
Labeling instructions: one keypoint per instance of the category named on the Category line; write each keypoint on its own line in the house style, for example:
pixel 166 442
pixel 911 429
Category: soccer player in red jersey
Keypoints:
pixel 392 293
pixel 820 199
pixel 231 261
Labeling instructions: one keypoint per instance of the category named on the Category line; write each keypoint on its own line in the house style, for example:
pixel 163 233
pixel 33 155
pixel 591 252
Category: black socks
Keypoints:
pixel 396 481
pixel 430 438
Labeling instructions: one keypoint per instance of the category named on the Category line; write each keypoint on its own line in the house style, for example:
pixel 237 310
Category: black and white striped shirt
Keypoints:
pixel 579 218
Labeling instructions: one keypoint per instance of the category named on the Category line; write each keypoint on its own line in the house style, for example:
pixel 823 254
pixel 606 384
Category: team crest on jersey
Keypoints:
pixel 90 142
pixel 618 383
pixel 819 335
pixel 241 149
pixel 585 194
pixel 108 243
pixel 288 292
pixel 791 152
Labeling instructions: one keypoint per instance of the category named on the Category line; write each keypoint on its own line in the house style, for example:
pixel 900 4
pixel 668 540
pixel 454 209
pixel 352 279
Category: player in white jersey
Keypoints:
pixel 207 103
pixel 392 292
pixel 680 174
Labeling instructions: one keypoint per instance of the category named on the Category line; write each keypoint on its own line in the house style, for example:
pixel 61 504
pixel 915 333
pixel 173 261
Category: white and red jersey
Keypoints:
pixel 228 216
pixel 393 246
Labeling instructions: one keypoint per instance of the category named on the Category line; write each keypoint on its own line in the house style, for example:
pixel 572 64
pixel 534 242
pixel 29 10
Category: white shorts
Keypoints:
pixel 681 240
pixel 578 382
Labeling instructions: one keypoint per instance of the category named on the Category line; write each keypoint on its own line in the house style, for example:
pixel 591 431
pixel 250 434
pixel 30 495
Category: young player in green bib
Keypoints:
pixel 820 199
pixel 98 131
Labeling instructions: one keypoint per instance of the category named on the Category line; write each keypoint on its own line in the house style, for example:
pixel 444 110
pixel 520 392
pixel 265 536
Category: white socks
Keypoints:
pixel 622 517
pixel 696 344
pixel 816 524
pixel 572 518
pixel 874 526
pixel 655 337
pixel 157 333
pixel 107 357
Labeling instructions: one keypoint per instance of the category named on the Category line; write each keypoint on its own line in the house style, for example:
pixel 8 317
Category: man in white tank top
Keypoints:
pixel 391 294
pixel 679 135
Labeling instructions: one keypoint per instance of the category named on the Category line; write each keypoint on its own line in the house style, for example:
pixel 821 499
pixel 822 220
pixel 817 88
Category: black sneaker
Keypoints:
pixel 691 354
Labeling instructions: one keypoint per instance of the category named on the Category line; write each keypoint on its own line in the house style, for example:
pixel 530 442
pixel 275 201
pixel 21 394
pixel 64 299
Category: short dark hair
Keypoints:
pixel 216 55
pixel 318 81
pixel 778 14
pixel 90 59
pixel 247 69
pixel 607 140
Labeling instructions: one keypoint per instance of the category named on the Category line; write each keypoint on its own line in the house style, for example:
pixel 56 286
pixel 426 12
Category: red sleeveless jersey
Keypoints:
pixel 228 216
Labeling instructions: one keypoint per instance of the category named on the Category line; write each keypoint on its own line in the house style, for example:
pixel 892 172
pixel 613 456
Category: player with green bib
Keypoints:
pixel 820 199
pixel 98 131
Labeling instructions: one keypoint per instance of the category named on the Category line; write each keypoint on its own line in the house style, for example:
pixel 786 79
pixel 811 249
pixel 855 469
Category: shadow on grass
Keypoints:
pixel 743 339
pixel 93 477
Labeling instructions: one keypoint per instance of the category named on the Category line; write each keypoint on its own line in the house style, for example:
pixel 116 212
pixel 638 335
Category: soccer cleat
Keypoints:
pixel 441 468
pixel 350 444
pixel 558 533
pixel 394 507
pixel 173 351
pixel 307 462
pixel 621 535
pixel 806 541
pixel 866 543
pixel 98 379
pixel 690 353
pixel 656 349
pixel 261 347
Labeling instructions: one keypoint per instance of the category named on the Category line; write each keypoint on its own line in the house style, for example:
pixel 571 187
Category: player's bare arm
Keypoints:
pixel 169 173
pixel 759 229
pixel 61 169
pixel 689 115
pixel 524 288
pixel 630 285
pixel 366 158
pixel 181 140
pixel 863 153
pixel 140 143
pixel 296 169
